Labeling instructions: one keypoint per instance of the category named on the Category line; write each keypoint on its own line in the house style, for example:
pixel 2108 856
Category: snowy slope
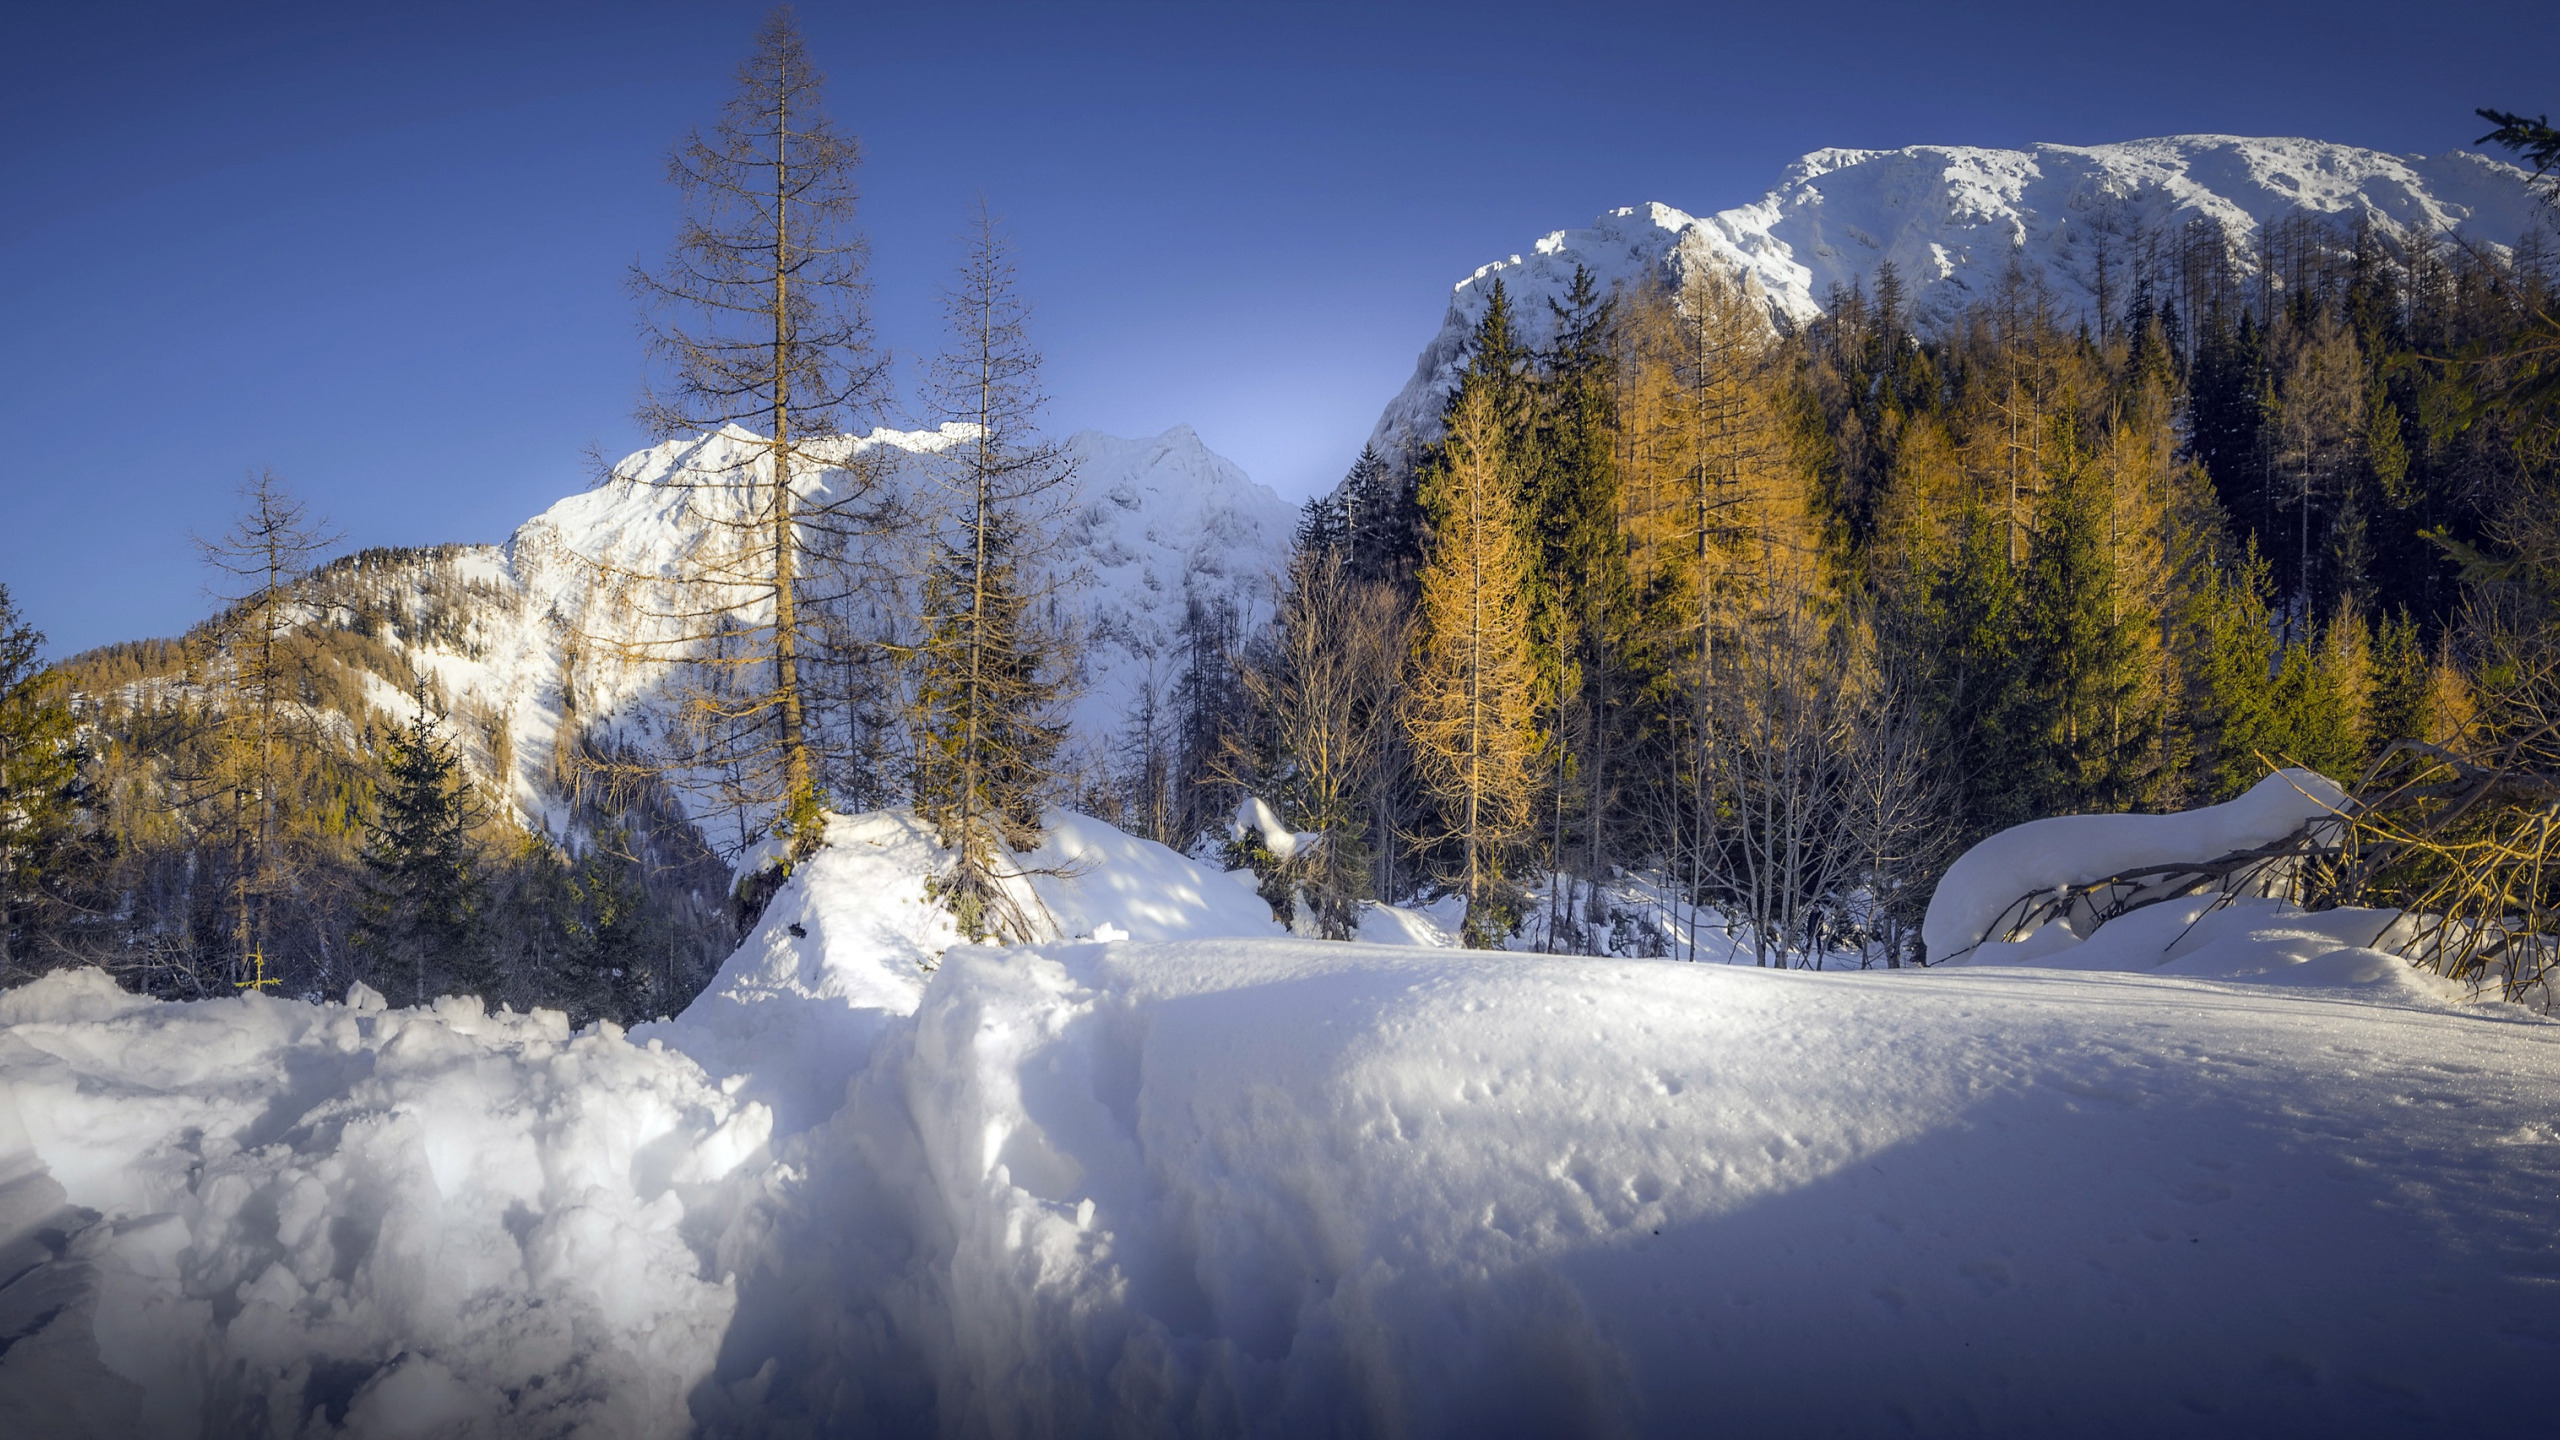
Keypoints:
pixel 1212 1181
pixel 1155 522
pixel 1951 218
pixel 1147 523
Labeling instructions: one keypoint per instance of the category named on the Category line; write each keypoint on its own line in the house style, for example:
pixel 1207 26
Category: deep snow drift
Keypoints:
pixel 1951 218
pixel 1207 1179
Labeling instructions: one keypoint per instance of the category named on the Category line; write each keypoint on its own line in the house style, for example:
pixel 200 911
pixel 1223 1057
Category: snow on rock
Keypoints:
pixel 1211 1180
pixel 2041 855
pixel 1285 844
pixel 1952 217
pixel 1157 524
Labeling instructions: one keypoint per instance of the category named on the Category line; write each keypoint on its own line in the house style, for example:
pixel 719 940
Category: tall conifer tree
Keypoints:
pixel 39 769
pixel 990 673
pixel 422 909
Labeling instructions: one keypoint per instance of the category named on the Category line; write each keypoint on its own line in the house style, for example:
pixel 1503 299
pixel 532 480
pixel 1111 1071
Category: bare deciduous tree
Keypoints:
pixel 1327 688
pixel 761 315
pixel 271 544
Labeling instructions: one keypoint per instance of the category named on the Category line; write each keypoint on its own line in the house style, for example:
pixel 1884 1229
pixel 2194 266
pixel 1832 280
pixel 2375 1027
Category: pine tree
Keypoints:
pixel 1470 699
pixel 2086 680
pixel 422 906
pixel 1321 527
pixel 1975 673
pixel 610 937
pixel 39 775
pixel 1577 511
pixel 986 737
pixel 2239 725
pixel 2399 709
pixel 2534 140
pixel 2225 414
pixel 1381 521
pixel 761 315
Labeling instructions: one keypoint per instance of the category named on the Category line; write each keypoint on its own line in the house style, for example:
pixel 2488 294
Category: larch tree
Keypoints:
pixel 1733 513
pixel 256 563
pixel 990 667
pixel 1470 702
pixel 760 315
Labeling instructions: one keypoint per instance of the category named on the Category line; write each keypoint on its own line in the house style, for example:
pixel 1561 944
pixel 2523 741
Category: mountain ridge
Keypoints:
pixel 1950 217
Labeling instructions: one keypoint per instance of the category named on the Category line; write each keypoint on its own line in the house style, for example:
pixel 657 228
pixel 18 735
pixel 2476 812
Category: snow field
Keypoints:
pixel 1303 1188
pixel 1210 1180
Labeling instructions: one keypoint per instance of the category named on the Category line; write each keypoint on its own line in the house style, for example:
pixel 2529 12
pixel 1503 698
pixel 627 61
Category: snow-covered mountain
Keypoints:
pixel 1951 218
pixel 530 651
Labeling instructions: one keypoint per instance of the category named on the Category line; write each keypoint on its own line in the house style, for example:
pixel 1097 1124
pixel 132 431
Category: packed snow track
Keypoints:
pixel 1210 1180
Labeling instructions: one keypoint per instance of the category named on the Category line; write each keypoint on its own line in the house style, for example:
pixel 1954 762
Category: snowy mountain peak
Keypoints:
pixel 1151 523
pixel 1950 218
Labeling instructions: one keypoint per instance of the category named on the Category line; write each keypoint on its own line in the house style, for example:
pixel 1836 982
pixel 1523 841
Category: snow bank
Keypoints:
pixel 239 1216
pixel 840 951
pixel 1293 1187
pixel 1208 1180
pixel 2042 855
pixel 1089 875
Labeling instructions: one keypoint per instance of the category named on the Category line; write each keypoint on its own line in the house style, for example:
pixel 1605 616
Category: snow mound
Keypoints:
pixel 1091 876
pixel 1951 219
pixel 1439 924
pixel 239 1216
pixel 841 950
pixel 1291 1187
pixel 2042 855
pixel 846 944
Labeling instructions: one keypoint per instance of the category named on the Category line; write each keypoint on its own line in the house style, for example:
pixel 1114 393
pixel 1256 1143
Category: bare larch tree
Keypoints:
pixel 761 315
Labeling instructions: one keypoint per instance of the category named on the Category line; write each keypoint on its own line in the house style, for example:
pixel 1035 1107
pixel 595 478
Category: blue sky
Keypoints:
pixel 379 248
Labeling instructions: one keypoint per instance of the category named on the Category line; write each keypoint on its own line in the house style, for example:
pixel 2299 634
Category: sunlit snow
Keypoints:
pixel 1210 1179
